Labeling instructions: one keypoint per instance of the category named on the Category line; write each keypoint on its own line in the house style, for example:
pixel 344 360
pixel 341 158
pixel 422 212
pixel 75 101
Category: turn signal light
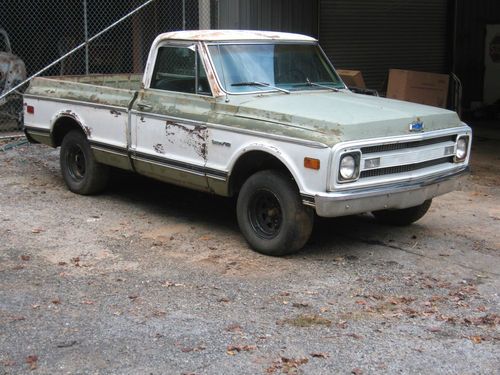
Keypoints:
pixel 311 163
pixel 30 109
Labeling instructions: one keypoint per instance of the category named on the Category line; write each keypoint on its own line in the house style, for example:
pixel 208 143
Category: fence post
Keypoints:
pixel 86 32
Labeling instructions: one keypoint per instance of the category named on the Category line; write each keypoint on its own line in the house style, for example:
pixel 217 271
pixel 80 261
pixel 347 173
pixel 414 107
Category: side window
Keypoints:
pixel 175 70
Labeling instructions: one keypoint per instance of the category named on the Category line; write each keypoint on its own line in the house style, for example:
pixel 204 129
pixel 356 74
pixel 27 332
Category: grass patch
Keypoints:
pixel 308 321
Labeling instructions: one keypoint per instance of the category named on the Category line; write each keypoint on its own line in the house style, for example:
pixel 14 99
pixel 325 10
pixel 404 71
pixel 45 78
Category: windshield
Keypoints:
pixel 268 67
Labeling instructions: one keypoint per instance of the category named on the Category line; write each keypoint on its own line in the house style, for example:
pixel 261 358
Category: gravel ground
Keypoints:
pixel 150 278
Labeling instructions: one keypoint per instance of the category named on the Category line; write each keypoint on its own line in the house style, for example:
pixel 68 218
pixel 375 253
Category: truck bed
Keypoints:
pixel 106 89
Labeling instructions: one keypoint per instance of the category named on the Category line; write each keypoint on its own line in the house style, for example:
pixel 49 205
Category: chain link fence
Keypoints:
pixel 42 38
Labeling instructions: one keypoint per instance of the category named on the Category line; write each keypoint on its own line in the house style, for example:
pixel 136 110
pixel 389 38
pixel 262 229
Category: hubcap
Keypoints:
pixel 76 162
pixel 265 214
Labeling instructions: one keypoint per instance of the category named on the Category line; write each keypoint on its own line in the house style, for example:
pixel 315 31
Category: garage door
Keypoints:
pixel 374 36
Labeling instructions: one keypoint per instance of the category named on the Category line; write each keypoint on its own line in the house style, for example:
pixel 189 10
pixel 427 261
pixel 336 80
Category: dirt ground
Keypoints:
pixel 152 279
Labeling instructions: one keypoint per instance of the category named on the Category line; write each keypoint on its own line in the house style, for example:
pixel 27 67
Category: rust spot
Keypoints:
pixel 159 148
pixel 192 137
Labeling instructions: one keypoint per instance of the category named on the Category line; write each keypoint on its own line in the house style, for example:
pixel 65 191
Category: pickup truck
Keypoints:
pixel 261 116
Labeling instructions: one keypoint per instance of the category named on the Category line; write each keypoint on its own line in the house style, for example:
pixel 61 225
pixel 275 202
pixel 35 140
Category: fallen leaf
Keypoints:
pixel 87 302
pixel 32 360
pixel 476 339
pixel 320 355
pixel 62 263
pixel 236 328
pixel 224 299
pixel 198 348
pixel 7 362
pixel 36 231
pixel 67 344
pixel 25 257
pixel 300 304
pixel 169 284
pixel 356 371
pixel 354 335
pixel 342 324
pixel 56 301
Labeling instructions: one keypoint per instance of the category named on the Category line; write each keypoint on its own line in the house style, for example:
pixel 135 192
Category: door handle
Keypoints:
pixel 144 106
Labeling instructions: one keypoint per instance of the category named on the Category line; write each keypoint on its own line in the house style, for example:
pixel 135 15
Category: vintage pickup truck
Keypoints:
pixel 258 115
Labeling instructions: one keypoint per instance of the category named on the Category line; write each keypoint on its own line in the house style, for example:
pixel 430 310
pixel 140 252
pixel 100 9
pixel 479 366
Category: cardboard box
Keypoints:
pixel 352 78
pixel 418 87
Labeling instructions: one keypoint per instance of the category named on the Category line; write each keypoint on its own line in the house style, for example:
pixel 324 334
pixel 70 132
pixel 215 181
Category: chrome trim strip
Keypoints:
pixel 38 131
pixel 108 146
pixel 395 196
pixel 73 101
pixel 175 164
pixel 396 187
pixel 164 165
pixel 404 138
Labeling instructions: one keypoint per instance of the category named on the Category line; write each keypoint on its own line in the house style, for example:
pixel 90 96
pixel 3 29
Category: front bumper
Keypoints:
pixel 394 196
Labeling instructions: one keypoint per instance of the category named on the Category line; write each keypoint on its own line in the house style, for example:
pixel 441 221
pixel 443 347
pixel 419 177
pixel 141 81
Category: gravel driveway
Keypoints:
pixel 152 279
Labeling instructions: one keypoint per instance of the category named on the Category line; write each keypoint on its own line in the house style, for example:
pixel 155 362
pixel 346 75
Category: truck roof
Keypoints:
pixel 233 35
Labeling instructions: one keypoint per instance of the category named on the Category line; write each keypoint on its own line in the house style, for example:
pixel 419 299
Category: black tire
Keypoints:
pixel 81 172
pixel 403 217
pixel 271 215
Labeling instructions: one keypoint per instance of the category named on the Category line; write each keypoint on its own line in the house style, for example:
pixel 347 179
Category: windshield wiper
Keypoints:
pixel 309 83
pixel 260 84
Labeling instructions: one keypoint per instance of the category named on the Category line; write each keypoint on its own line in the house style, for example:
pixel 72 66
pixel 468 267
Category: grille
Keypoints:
pixel 402 146
pixel 405 168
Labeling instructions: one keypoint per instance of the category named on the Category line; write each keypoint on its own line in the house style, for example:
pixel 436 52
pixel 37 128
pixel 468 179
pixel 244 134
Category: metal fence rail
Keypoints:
pixel 73 37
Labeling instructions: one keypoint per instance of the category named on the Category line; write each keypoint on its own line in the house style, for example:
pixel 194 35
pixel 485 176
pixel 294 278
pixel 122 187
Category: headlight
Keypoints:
pixel 349 166
pixel 462 148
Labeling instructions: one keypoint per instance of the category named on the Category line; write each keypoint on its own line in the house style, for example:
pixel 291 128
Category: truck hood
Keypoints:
pixel 343 116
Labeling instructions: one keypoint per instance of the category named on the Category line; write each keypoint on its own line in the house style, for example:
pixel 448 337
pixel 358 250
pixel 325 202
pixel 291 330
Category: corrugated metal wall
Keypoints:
pixel 374 36
pixel 472 18
pixel 296 16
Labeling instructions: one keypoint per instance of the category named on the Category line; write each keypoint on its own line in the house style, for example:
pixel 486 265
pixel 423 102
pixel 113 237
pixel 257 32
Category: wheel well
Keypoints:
pixel 62 127
pixel 250 163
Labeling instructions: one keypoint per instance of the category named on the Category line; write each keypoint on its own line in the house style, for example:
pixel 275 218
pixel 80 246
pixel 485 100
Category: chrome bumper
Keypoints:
pixel 397 196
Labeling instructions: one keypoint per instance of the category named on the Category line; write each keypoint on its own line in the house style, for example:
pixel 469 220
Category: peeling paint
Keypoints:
pixel 193 136
pixel 159 148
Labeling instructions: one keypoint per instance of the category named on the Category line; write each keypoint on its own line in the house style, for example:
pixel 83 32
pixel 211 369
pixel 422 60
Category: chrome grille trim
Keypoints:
pixel 430 162
pixel 404 145
pixel 405 168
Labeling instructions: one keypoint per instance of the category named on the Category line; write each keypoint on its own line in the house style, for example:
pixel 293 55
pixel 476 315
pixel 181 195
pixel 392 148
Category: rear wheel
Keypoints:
pixel 271 215
pixel 81 172
pixel 403 217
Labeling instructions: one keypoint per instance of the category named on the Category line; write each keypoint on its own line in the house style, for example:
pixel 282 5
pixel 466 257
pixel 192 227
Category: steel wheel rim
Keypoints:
pixel 265 214
pixel 76 163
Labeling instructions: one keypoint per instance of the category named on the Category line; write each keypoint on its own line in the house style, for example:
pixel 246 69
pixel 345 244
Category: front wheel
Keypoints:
pixel 271 215
pixel 403 217
pixel 81 172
